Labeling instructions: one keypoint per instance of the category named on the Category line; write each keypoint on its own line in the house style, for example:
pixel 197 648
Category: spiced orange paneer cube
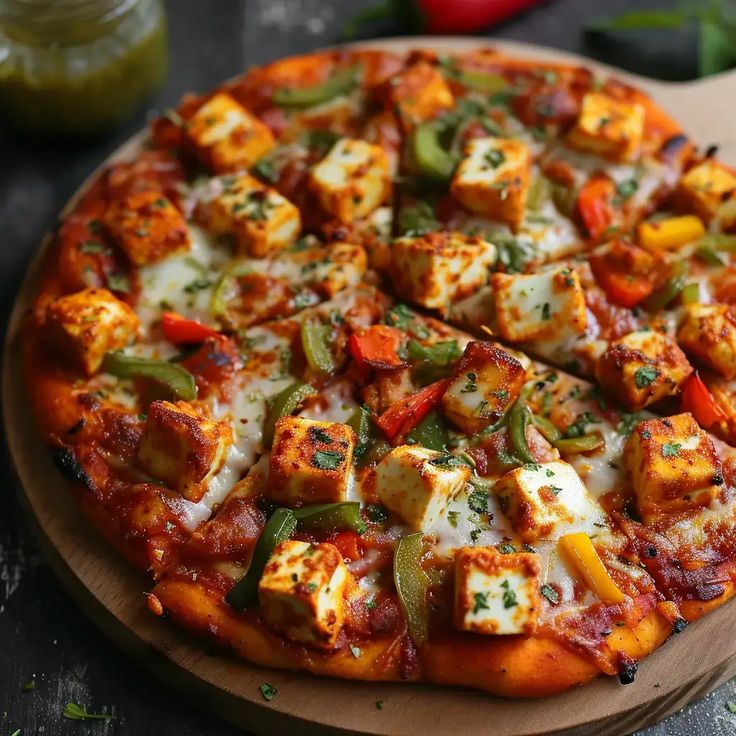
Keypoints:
pixel 493 179
pixel 704 188
pixel 87 325
pixel 226 136
pixel 303 592
pixel 673 464
pixel 183 446
pixel 419 93
pixel 608 127
pixel 311 461
pixel 708 333
pixel 643 367
pixel 485 382
pixel 147 227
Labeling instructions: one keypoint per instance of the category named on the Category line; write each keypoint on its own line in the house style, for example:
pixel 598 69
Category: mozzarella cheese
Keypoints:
pixel 416 483
pixel 548 500
pixel 496 593
pixel 302 592
pixel 549 305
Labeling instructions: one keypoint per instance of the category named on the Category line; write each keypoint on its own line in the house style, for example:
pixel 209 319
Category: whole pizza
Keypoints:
pixel 406 367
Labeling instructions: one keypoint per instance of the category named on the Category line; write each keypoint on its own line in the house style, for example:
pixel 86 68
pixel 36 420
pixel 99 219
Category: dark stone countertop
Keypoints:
pixel 43 636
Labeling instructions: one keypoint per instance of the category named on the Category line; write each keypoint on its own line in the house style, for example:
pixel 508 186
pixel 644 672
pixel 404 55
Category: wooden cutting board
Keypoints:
pixel 111 593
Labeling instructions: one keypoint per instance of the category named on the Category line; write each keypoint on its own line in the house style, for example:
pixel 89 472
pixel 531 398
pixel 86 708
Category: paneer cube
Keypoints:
pixel 708 333
pixel 352 180
pixel 416 483
pixel 87 325
pixel 419 93
pixel 704 187
pixel 673 464
pixel 327 269
pixel 147 227
pixel 436 269
pixel 311 462
pixel 303 592
pixel 183 446
pixel 227 137
pixel 496 593
pixel 259 219
pixel 493 179
pixel 608 127
pixel 485 382
pixel 548 500
pixel 643 367
pixel 549 305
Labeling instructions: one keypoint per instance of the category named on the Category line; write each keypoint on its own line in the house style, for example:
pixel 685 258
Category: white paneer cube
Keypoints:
pixel 328 269
pixel 436 269
pixel 416 483
pixel 643 367
pixel 673 465
pixel 226 136
pixel 88 324
pixel 547 500
pixel 259 219
pixel 352 180
pixel 311 461
pixel 708 333
pixel 608 127
pixel 183 447
pixel 302 592
pixel 703 188
pixel 496 593
pixel 485 382
pixel 493 179
pixel 549 305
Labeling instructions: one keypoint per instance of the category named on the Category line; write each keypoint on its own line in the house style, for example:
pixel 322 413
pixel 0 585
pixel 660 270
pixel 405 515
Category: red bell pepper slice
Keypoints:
pixel 377 347
pixel 700 402
pixel 182 331
pixel 403 415
pixel 623 289
pixel 594 205
pixel 349 543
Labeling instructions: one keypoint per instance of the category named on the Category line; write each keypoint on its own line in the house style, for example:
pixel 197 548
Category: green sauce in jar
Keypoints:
pixel 77 68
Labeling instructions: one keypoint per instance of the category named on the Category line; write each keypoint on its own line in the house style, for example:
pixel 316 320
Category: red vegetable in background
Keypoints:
pixel 183 331
pixel 700 402
pixel 403 415
pixel 441 16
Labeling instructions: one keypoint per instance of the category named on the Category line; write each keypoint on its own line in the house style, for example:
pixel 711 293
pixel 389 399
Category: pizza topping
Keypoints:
pixel 671 233
pixel 176 379
pixel 626 272
pixel 704 187
pixel 412 584
pixel 698 401
pixel 403 415
pixel 583 556
pixel 284 404
pixel 416 483
pixel 431 433
pixel 496 593
pixel 595 206
pixel 377 347
pixel 316 340
pixel 180 330
pixel 340 83
pixel 708 333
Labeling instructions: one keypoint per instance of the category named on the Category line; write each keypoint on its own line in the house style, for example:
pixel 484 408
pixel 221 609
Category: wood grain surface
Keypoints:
pixel 687 667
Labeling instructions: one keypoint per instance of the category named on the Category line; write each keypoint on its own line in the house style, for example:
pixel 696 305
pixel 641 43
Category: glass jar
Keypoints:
pixel 79 67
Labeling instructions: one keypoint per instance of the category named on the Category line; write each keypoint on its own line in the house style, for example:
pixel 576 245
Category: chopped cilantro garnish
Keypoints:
pixel 269 692
pixel 79 713
pixel 645 376
pixel 321 435
pixel 550 594
pixel 478 502
pixel 355 651
pixel 671 449
pixel 326 459
pixel 481 602
pixel 509 597
pixel 445 460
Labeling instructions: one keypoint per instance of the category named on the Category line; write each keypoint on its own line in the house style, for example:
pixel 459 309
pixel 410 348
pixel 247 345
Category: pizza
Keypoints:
pixel 406 366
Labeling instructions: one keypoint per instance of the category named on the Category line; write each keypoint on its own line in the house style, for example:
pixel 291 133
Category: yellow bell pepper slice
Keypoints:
pixel 670 233
pixel 581 553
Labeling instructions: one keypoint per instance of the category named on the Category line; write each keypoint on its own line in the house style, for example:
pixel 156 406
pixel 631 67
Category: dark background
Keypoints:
pixel 43 636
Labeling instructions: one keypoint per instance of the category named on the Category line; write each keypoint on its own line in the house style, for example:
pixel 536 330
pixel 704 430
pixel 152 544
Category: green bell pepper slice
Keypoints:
pixel 412 584
pixel 662 297
pixel 284 404
pixel 174 377
pixel 691 294
pixel 575 445
pixel 520 417
pixel 360 422
pixel 340 83
pixel 326 517
pixel 547 429
pixel 278 529
pixel 431 432
pixel 218 300
pixel 431 158
pixel 315 341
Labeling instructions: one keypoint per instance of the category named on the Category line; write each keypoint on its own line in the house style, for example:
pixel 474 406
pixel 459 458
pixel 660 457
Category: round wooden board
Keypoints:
pixel 111 593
